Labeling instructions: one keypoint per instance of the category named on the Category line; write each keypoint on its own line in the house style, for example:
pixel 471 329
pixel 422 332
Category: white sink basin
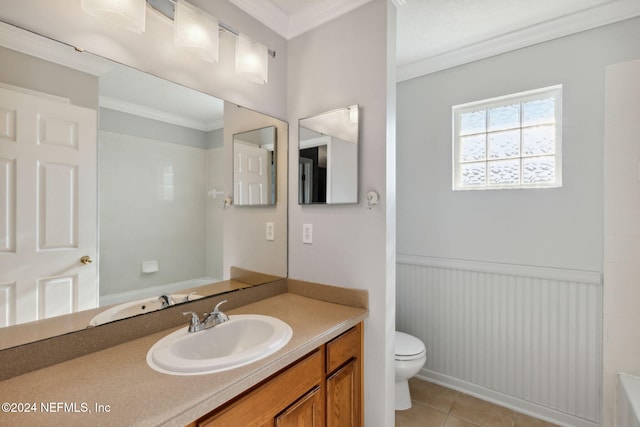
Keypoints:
pixel 133 308
pixel 241 340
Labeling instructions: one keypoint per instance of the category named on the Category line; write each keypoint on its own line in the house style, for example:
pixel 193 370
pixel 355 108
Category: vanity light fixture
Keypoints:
pixel 194 29
pixel 252 60
pixel 128 14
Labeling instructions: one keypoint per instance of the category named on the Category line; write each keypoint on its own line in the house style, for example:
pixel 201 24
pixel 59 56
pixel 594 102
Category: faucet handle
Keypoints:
pixel 195 324
pixel 186 297
pixel 218 315
pixel 216 309
pixel 166 300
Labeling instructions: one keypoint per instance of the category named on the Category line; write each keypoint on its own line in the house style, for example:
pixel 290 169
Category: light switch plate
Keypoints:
pixel 307 233
pixel 271 231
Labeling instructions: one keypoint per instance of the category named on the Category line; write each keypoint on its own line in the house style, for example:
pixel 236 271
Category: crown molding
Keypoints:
pixel 267 13
pixel 552 29
pixel 320 13
pixel 153 114
pixel 290 26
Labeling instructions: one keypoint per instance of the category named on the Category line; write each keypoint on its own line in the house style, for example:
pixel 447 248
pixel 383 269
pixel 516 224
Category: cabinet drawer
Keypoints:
pixel 343 348
pixel 261 405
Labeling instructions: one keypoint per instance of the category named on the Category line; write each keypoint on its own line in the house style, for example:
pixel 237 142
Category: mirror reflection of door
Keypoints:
pixel 314 178
pixel 251 180
pixel 328 153
pixel 305 180
pixel 254 167
pixel 47 207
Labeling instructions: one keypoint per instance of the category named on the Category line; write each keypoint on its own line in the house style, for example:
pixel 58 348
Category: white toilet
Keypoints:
pixel 410 357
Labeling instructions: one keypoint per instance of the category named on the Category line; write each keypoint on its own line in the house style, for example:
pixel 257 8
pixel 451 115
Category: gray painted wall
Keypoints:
pixel 546 227
pixel 130 124
pixel 342 63
pixel 18 69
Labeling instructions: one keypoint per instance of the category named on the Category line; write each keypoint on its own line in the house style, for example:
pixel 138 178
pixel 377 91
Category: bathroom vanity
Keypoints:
pixel 316 375
pixel 326 382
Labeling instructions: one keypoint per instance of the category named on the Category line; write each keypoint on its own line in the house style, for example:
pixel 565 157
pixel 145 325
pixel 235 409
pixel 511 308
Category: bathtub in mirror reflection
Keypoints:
pixel 160 148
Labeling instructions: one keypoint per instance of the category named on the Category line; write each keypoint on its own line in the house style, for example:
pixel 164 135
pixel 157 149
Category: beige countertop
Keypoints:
pixel 115 386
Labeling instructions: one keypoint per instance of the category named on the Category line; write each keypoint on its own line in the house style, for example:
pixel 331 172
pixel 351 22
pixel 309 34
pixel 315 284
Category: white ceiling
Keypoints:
pixel 436 34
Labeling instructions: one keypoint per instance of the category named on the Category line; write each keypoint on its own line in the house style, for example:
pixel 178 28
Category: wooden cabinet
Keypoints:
pixel 322 388
pixel 342 397
pixel 344 380
pixel 308 411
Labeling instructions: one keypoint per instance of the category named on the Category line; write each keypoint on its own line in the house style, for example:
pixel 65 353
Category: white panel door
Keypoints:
pixel 47 208
pixel 251 179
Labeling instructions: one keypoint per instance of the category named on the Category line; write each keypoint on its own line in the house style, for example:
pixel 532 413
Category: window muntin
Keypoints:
pixel 509 142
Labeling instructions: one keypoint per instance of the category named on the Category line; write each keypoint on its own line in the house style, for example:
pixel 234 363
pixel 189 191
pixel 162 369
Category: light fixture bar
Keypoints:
pixel 196 31
pixel 252 60
pixel 167 8
pixel 236 33
pixel 127 14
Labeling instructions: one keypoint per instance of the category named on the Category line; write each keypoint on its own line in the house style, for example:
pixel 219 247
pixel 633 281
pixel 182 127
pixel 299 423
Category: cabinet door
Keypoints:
pixel 307 412
pixel 343 397
pixel 261 406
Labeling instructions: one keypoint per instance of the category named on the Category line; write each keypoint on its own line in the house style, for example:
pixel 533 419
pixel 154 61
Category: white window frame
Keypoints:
pixel 458 110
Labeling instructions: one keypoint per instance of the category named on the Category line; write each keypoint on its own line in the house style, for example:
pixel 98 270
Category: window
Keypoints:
pixel 509 142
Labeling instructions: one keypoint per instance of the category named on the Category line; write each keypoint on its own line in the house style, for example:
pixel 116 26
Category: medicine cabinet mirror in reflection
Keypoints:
pixel 328 160
pixel 254 167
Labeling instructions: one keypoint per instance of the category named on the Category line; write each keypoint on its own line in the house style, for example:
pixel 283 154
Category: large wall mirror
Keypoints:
pixel 328 157
pixel 123 207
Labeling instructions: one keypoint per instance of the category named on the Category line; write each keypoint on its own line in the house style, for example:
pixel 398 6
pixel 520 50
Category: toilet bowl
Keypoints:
pixel 410 356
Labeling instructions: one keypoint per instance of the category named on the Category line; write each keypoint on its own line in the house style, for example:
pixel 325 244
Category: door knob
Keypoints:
pixel 86 260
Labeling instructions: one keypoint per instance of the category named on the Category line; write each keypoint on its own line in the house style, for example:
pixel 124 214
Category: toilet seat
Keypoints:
pixel 408 347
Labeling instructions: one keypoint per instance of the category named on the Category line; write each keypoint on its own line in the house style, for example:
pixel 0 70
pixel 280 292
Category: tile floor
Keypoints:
pixel 437 406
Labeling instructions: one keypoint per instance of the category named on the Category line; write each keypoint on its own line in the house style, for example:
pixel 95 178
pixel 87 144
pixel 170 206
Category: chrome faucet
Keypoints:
pixel 209 320
pixel 166 300
pixel 186 297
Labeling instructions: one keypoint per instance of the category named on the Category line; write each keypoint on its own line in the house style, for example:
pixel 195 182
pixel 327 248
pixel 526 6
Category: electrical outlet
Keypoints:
pixel 271 231
pixel 307 233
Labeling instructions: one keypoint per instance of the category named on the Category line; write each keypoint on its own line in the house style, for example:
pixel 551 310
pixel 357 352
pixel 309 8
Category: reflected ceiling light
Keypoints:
pixel 252 60
pixel 129 14
pixel 196 30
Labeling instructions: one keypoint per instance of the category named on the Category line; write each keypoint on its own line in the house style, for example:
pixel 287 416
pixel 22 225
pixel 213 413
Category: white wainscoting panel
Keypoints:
pixel 527 337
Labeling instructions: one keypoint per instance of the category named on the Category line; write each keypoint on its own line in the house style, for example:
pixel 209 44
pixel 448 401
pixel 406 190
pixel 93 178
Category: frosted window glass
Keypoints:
pixel 538 112
pixel 504 117
pixel 513 141
pixel 504 145
pixel 539 170
pixel 473 174
pixel 539 140
pixel 505 172
pixel 473 148
pixel 473 122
